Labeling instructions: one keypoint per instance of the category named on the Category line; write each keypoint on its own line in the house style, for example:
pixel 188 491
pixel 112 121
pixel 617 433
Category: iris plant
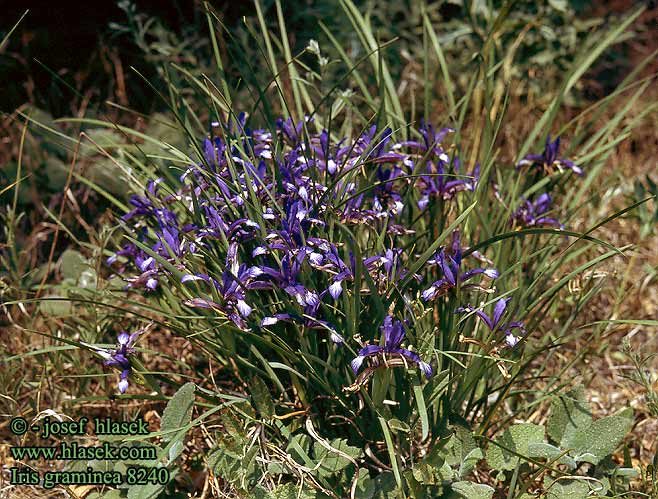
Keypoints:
pixel 270 202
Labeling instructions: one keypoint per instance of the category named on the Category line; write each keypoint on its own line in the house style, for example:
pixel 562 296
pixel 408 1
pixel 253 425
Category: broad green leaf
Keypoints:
pixel 55 306
pixel 424 473
pixel 396 425
pixel 108 176
pixel 469 462
pixel 365 486
pixel 260 395
pixel 627 472
pixel 178 413
pixel 415 488
pixel 88 279
pixel 460 445
pixel 112 494
pixel 292 491
pixel 102 138
pixel 163 128
pixel 515 440
pixel 332 462
pixel 550 453
pixel 299 448
pixel 175 450
pixel 566 489
pixel 225 463
pixel 73 263
pixel 470 490
pixel 260 492
pixel 445 473
pixel 602 437
pixel 385 487
pixel 569 413
pixel 56 172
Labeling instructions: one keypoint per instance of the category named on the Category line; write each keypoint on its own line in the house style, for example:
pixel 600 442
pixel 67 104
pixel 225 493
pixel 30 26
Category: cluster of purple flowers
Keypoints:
pixel 267 205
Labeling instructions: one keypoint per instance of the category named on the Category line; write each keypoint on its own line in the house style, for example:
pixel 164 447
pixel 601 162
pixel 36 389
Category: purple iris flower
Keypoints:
pixel 320 256
pixel 236 279
pixel 394 333
pixel 436 180
pixel 387 200
pixel 431 140
pixel 143 261
pixel 120 356
pixel 549 159
pixel 168 235
pixel 531 214
pixel 452 275
pixel 240 230
pixel 494 322
pixel 291 133
pixel 308 319
pixel 331 262
pixel 372 148
pixel 143 204
pixel 236 124
pixel 239 180
pixel 387 269
pixel 129 250
pixel 326 159
pixel 437 183
pixel 262 148
pixel 287 278
pixel 149 276
pixel 232 290
pixel 214 152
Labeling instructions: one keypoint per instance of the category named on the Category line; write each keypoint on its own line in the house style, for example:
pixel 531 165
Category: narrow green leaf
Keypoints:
pixel 422 410
pixel 392 453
